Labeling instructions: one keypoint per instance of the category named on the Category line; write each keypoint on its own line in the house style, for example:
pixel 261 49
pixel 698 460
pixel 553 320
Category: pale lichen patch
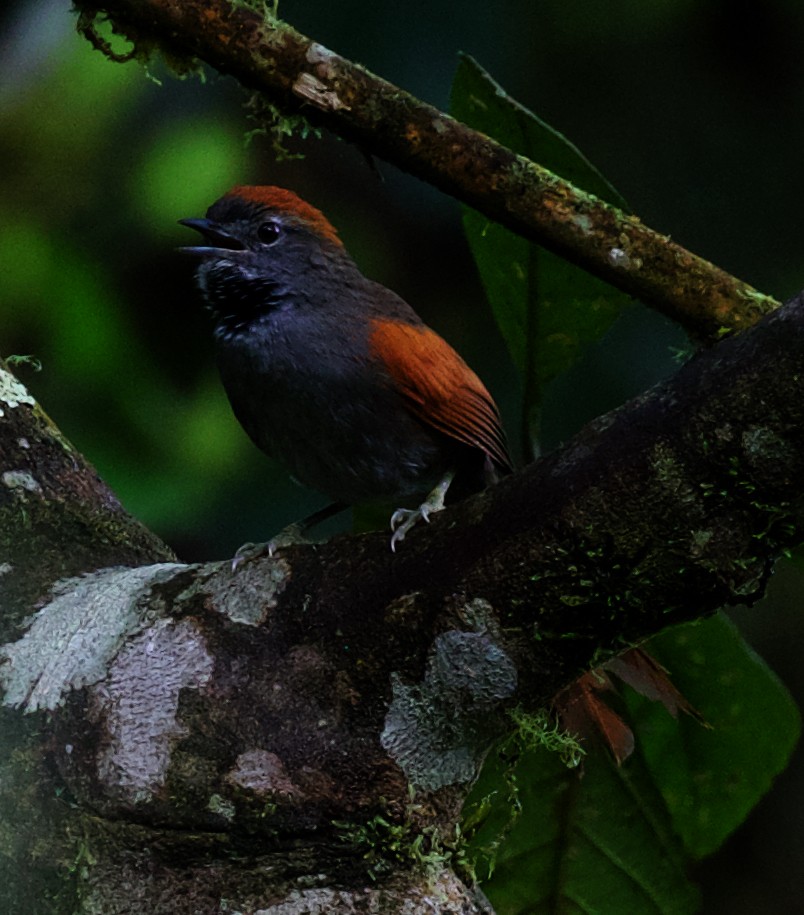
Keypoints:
pixel 263 773
pixel 617 257
pixel 764 445
pixel 248 594
pixel 21 480
pixel 438 893
pixel 12 393
pixel 72 639
pixel 323 60
pixel 221 806
pixel 478 614
pixel 139 701
pixel 437 731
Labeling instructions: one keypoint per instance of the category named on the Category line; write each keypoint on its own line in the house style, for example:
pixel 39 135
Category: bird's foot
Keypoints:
pixel 292 535
pixel 403 519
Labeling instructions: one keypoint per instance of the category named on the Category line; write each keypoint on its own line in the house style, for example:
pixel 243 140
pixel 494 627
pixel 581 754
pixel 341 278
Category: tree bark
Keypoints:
pixel 300 76
pixel 299 735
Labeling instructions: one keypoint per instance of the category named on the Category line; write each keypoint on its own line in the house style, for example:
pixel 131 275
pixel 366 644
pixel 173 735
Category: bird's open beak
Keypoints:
pixel 216 237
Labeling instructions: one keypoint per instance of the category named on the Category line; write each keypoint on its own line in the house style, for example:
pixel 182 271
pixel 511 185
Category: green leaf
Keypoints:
pixel 612 840
pixel 711 778
pixel 547 309
pixel 593 842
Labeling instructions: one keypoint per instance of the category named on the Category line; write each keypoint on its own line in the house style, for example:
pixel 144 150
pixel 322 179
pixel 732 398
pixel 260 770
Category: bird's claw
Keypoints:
pixel 291 535
pixel 403 519
pixel 246 553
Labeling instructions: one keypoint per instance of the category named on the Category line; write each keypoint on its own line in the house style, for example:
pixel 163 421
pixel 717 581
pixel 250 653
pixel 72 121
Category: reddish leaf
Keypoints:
pixel 647 677
pixel 584 713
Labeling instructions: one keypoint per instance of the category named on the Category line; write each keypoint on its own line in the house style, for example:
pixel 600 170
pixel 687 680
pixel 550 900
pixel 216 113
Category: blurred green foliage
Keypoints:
pixel 66 246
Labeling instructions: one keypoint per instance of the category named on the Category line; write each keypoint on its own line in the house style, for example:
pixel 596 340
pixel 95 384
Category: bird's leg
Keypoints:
pixel 292 534
pixel 403 519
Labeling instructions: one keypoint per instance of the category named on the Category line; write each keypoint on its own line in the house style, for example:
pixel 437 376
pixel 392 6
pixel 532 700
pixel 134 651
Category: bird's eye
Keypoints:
pixel 268 233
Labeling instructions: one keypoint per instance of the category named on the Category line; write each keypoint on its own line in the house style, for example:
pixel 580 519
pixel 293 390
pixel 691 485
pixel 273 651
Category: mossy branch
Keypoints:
pixel 57 517
pixel 298 75
pixel 406 663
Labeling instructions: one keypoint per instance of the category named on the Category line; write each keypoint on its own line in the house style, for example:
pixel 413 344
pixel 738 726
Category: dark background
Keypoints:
pixel 692 109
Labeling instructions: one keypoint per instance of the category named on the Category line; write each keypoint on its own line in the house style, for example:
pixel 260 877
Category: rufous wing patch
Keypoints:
pixel 439 387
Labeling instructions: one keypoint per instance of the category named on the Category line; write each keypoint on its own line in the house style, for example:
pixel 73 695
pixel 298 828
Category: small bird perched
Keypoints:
pixel 332 374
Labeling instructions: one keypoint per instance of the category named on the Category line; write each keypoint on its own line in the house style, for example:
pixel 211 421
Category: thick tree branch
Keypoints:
pixel 57 517
pixel 300 76
pixel 269 717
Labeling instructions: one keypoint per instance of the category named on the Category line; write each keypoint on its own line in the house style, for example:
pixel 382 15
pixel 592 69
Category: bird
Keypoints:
pixel 334 375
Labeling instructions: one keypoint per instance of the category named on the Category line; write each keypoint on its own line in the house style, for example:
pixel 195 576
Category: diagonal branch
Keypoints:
pixel 57 517
pixel 299 76
pixel 658 513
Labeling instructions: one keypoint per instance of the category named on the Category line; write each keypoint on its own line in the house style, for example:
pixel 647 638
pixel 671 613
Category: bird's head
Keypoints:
pixel 262 246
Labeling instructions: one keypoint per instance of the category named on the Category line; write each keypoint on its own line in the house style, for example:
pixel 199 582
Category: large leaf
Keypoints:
pixel 547 309
pixel 711 778
pixel 611 840
pixel 593 842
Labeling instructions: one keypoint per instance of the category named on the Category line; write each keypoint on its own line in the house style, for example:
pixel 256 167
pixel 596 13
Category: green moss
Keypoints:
pixel 489 821
pixel 279 127
pixel 32 362
pixel 540 729
pixel 122 43
pixel 772 522
pixel 597 579
pixel 387 846
pixel 268 9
